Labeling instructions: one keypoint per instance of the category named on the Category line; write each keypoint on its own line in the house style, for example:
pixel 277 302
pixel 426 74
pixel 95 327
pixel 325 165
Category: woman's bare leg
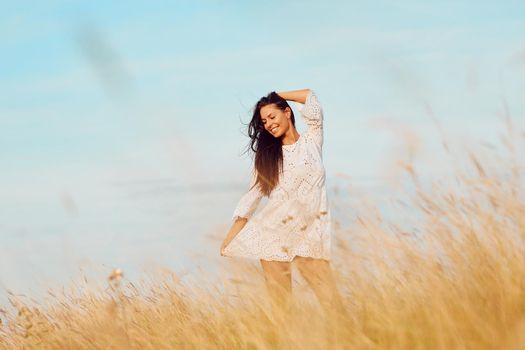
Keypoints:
pixel 278 278
pixel 320 277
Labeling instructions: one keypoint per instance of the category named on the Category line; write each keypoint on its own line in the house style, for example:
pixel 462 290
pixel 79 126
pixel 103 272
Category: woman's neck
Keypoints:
pixel 290 137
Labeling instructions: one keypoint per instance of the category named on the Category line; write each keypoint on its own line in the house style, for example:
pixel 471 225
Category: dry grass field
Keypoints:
pixel 450 277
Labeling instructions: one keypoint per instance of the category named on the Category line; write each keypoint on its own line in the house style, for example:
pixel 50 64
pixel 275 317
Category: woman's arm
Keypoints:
pixel 295 95
pixel 236 227
pixel 234 230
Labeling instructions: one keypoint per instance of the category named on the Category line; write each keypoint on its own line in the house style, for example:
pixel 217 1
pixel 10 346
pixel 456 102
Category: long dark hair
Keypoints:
pixel 267 148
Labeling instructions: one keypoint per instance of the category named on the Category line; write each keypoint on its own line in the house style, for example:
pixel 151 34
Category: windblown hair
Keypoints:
pixel 267 148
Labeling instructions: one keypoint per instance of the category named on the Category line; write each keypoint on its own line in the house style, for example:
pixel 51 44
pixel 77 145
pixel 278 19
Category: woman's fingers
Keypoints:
pixel 223 246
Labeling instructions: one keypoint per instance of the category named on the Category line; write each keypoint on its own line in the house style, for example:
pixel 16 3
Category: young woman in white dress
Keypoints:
pixel 295 224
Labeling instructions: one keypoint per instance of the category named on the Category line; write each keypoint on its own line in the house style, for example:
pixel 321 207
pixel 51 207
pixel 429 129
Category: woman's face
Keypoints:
pixel 275 120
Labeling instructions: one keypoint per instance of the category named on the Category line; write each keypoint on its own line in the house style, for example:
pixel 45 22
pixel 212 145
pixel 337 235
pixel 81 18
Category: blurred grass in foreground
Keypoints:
pixel 454 277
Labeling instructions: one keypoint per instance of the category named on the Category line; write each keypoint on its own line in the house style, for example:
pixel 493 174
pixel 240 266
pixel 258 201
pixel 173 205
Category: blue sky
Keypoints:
pixel 116 116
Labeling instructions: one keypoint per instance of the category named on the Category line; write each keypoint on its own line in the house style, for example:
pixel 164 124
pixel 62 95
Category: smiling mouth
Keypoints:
pixel 274 129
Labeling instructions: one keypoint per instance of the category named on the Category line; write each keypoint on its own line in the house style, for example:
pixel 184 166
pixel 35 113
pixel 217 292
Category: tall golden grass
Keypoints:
pixel 450 276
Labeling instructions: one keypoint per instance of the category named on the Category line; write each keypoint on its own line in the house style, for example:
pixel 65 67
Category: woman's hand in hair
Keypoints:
pixel 295 95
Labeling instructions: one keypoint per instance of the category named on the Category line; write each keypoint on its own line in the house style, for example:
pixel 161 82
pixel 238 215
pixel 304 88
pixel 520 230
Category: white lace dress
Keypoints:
pixel 296 220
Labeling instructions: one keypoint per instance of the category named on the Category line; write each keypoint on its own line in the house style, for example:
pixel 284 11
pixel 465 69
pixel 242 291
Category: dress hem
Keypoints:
pixel 251 257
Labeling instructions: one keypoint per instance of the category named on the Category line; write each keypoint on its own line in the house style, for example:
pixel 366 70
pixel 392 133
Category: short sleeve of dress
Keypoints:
pixel 248 202
pixel 312 115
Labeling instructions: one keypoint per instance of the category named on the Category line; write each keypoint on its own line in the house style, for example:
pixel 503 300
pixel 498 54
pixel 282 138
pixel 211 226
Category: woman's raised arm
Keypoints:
pixel 295 95
pixel 311 111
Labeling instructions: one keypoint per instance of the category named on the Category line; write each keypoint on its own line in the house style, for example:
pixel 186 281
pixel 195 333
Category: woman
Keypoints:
pixel 295 224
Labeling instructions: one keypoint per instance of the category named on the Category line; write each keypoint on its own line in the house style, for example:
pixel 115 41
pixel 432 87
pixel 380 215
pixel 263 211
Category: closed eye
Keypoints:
pixel 264 121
